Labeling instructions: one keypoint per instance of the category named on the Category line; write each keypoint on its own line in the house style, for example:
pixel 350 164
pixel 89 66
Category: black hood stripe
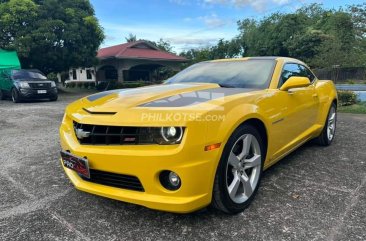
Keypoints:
pixel 196 97
pixel 148 89
pixel 101 95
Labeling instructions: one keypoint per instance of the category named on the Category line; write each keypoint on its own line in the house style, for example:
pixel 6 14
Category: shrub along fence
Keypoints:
pixel 346 97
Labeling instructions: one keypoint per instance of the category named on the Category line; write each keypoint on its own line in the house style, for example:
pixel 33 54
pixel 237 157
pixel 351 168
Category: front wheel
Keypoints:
pixel 2 95
pixel 15 96
pixel 54 98
pixel 328 132
pixel 239 172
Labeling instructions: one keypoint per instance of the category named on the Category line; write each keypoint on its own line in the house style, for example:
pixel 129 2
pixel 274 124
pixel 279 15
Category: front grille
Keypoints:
pixel 40 85
pixel 112 135
pixel 115 180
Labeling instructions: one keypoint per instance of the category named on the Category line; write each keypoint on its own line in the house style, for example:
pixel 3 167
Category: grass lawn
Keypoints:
pixel 359 108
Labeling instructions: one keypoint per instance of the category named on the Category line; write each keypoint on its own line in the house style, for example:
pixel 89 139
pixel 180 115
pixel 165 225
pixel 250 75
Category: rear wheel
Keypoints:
pixel 239 172
pixel 54 98
pixel 15 96
pixel 328 132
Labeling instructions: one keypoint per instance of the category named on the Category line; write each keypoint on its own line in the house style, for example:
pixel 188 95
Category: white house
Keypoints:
pixel 79 75
pixel 128 62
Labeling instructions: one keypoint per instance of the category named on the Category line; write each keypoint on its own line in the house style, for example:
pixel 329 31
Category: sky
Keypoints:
pixel 188 24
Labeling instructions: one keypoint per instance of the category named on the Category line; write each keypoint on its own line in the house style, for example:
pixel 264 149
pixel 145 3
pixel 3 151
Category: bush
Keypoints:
pixel 105 85
pixel 346 97
pixel 102 85
pixel 132 84
pixel 52 76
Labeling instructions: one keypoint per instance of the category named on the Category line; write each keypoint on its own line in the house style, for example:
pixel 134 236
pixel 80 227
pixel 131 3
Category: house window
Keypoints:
pixel 74 74
pixel 88 74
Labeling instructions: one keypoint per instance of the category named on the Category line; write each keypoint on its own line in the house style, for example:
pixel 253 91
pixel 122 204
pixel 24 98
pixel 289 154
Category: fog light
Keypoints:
pixel 174 179
pixel 170 180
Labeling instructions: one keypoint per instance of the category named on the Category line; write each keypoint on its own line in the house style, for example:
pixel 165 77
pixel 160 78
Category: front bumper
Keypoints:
pixel 33 93
pixel 195 167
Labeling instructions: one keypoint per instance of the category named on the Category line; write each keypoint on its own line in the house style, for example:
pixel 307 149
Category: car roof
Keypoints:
pixel 285 59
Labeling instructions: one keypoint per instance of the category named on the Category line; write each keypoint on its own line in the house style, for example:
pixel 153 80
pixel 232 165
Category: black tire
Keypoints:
pixel 323 139
pixel 2 95
pixel 15 96
pixel 54 98
pixel 221 199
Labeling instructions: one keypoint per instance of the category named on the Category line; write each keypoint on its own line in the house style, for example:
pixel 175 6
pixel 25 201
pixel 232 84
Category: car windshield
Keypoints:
pixel 236 74
pixel 27 74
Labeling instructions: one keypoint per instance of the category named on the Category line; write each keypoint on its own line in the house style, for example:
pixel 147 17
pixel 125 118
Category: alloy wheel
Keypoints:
pixel 13 97
pixel 331 123
pixel 243 168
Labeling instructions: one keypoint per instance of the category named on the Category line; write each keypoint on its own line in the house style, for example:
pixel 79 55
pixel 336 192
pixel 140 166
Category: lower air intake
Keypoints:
pixel 115 180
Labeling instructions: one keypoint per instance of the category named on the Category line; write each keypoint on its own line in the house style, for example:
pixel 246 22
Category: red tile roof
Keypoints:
pixel 137 50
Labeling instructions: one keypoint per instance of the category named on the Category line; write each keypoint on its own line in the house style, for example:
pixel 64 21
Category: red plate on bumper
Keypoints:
pixel 78 164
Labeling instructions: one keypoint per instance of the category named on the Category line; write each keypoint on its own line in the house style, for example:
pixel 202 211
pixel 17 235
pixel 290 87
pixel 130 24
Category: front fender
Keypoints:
pixel 220 131
pixel 327 94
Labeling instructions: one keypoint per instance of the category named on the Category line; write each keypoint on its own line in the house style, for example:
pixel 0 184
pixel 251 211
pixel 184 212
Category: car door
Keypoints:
pixel 295 111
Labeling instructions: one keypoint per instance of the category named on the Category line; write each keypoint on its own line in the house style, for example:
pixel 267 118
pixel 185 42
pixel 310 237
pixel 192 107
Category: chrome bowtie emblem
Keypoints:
pixel 81 134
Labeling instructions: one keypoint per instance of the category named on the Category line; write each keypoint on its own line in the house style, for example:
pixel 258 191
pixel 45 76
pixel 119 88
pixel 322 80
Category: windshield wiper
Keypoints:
pixel 226 86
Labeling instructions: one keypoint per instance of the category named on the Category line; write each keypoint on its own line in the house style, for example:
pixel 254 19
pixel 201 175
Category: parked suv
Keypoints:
pixel 22 84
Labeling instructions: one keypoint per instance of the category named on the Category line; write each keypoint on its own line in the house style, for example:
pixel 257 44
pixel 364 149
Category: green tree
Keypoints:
pixel 318 36
pixel 131 38
pixel 51 35
pixel 226 49
pixel 17 19
pixel 223 49
pixel 315 35
pixel 306 45
pixel 164 45
pixel 358 13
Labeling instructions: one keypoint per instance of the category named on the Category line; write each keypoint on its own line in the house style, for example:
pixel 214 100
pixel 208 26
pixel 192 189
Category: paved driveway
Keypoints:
pixel 315 193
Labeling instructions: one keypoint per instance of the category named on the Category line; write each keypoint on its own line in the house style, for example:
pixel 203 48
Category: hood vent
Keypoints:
pixel 99 112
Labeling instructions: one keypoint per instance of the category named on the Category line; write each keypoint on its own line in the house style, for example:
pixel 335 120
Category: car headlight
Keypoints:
pixel 23 85
pixel 168 135
pixel 53 84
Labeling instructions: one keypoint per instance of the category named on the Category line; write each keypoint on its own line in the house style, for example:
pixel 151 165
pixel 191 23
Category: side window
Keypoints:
pixel 310 75
pixel 290 70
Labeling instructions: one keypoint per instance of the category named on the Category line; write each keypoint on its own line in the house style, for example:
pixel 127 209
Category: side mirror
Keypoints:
pixel 295 82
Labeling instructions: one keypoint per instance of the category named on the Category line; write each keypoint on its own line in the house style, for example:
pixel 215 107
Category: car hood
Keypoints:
pixel 158 96
pixel 34 80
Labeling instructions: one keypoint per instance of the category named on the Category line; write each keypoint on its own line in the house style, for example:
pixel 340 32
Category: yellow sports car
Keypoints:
pixel 203 137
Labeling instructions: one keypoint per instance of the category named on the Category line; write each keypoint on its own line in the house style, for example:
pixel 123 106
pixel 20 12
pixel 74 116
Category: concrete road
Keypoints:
pixel 316 193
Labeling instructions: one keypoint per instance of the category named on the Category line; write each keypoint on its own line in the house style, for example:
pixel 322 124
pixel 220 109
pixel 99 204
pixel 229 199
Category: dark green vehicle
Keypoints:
pixel 21 84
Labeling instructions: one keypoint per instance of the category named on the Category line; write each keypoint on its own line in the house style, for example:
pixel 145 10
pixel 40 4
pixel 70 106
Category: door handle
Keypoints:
pixel 315 95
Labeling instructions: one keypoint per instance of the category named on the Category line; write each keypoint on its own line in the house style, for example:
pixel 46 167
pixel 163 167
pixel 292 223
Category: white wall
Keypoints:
pixel 81 75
